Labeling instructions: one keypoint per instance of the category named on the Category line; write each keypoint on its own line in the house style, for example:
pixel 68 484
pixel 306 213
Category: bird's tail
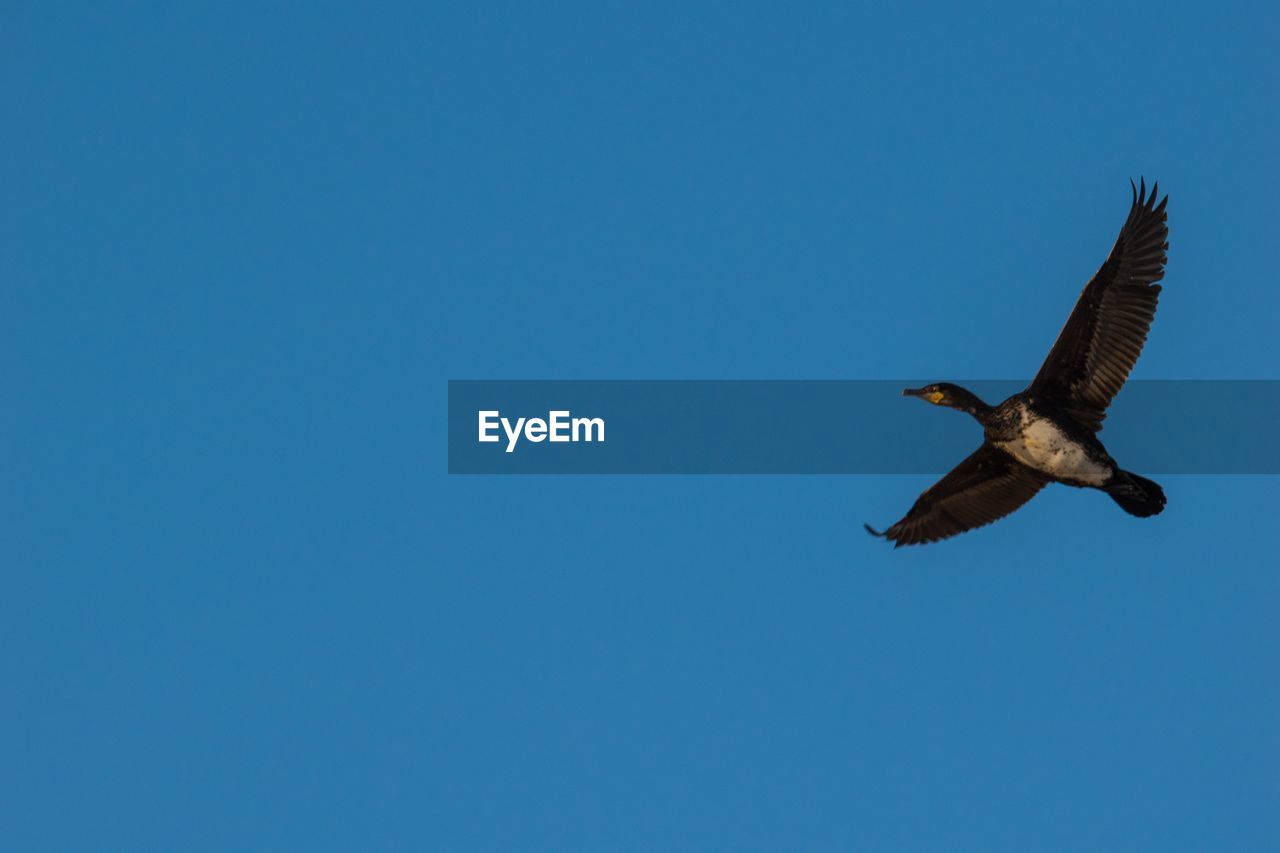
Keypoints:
pixel 1136 495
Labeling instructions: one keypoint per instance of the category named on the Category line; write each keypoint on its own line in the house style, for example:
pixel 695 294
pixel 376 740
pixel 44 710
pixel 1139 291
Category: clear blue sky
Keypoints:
pixel 243 607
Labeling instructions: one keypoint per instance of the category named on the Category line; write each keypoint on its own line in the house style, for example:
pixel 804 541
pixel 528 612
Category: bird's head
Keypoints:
pixel 951 396
pixel 939 393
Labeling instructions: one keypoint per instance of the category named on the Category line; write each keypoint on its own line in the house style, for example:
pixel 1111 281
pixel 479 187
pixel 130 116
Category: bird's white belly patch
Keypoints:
pixel 1043 446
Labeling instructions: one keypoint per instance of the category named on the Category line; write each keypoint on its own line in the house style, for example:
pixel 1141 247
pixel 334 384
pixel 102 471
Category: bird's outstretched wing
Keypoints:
pixel 1104 335
pixel 986 486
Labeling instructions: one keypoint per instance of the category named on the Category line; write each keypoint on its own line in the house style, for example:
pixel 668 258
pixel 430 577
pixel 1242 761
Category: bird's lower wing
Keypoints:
pixel 986 486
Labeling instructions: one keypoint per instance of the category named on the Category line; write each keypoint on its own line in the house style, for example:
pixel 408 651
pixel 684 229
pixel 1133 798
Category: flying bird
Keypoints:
pixel 1047 433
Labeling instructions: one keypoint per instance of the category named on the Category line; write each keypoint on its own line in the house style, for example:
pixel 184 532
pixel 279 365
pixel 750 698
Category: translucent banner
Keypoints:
pixel 827 427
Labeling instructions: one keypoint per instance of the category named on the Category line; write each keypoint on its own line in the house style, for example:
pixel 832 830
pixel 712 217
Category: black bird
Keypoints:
pixel 1048 432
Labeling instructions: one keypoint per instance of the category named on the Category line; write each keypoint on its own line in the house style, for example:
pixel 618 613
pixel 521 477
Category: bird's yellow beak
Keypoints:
pixel 934 397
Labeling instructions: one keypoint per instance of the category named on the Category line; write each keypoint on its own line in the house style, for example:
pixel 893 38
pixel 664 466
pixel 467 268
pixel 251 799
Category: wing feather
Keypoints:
pixel 1105 333
pixel 988 485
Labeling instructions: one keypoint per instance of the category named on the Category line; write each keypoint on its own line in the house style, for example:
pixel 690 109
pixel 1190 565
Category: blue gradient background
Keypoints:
pixel 243 606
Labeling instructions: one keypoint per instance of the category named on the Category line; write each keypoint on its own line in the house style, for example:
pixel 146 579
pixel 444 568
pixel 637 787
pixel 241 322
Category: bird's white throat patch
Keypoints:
pixel 1044 447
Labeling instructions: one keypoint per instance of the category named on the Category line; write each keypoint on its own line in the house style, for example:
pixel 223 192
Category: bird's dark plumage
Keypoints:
pixel 986 486
pixel 1047 433
pixel 1104 335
